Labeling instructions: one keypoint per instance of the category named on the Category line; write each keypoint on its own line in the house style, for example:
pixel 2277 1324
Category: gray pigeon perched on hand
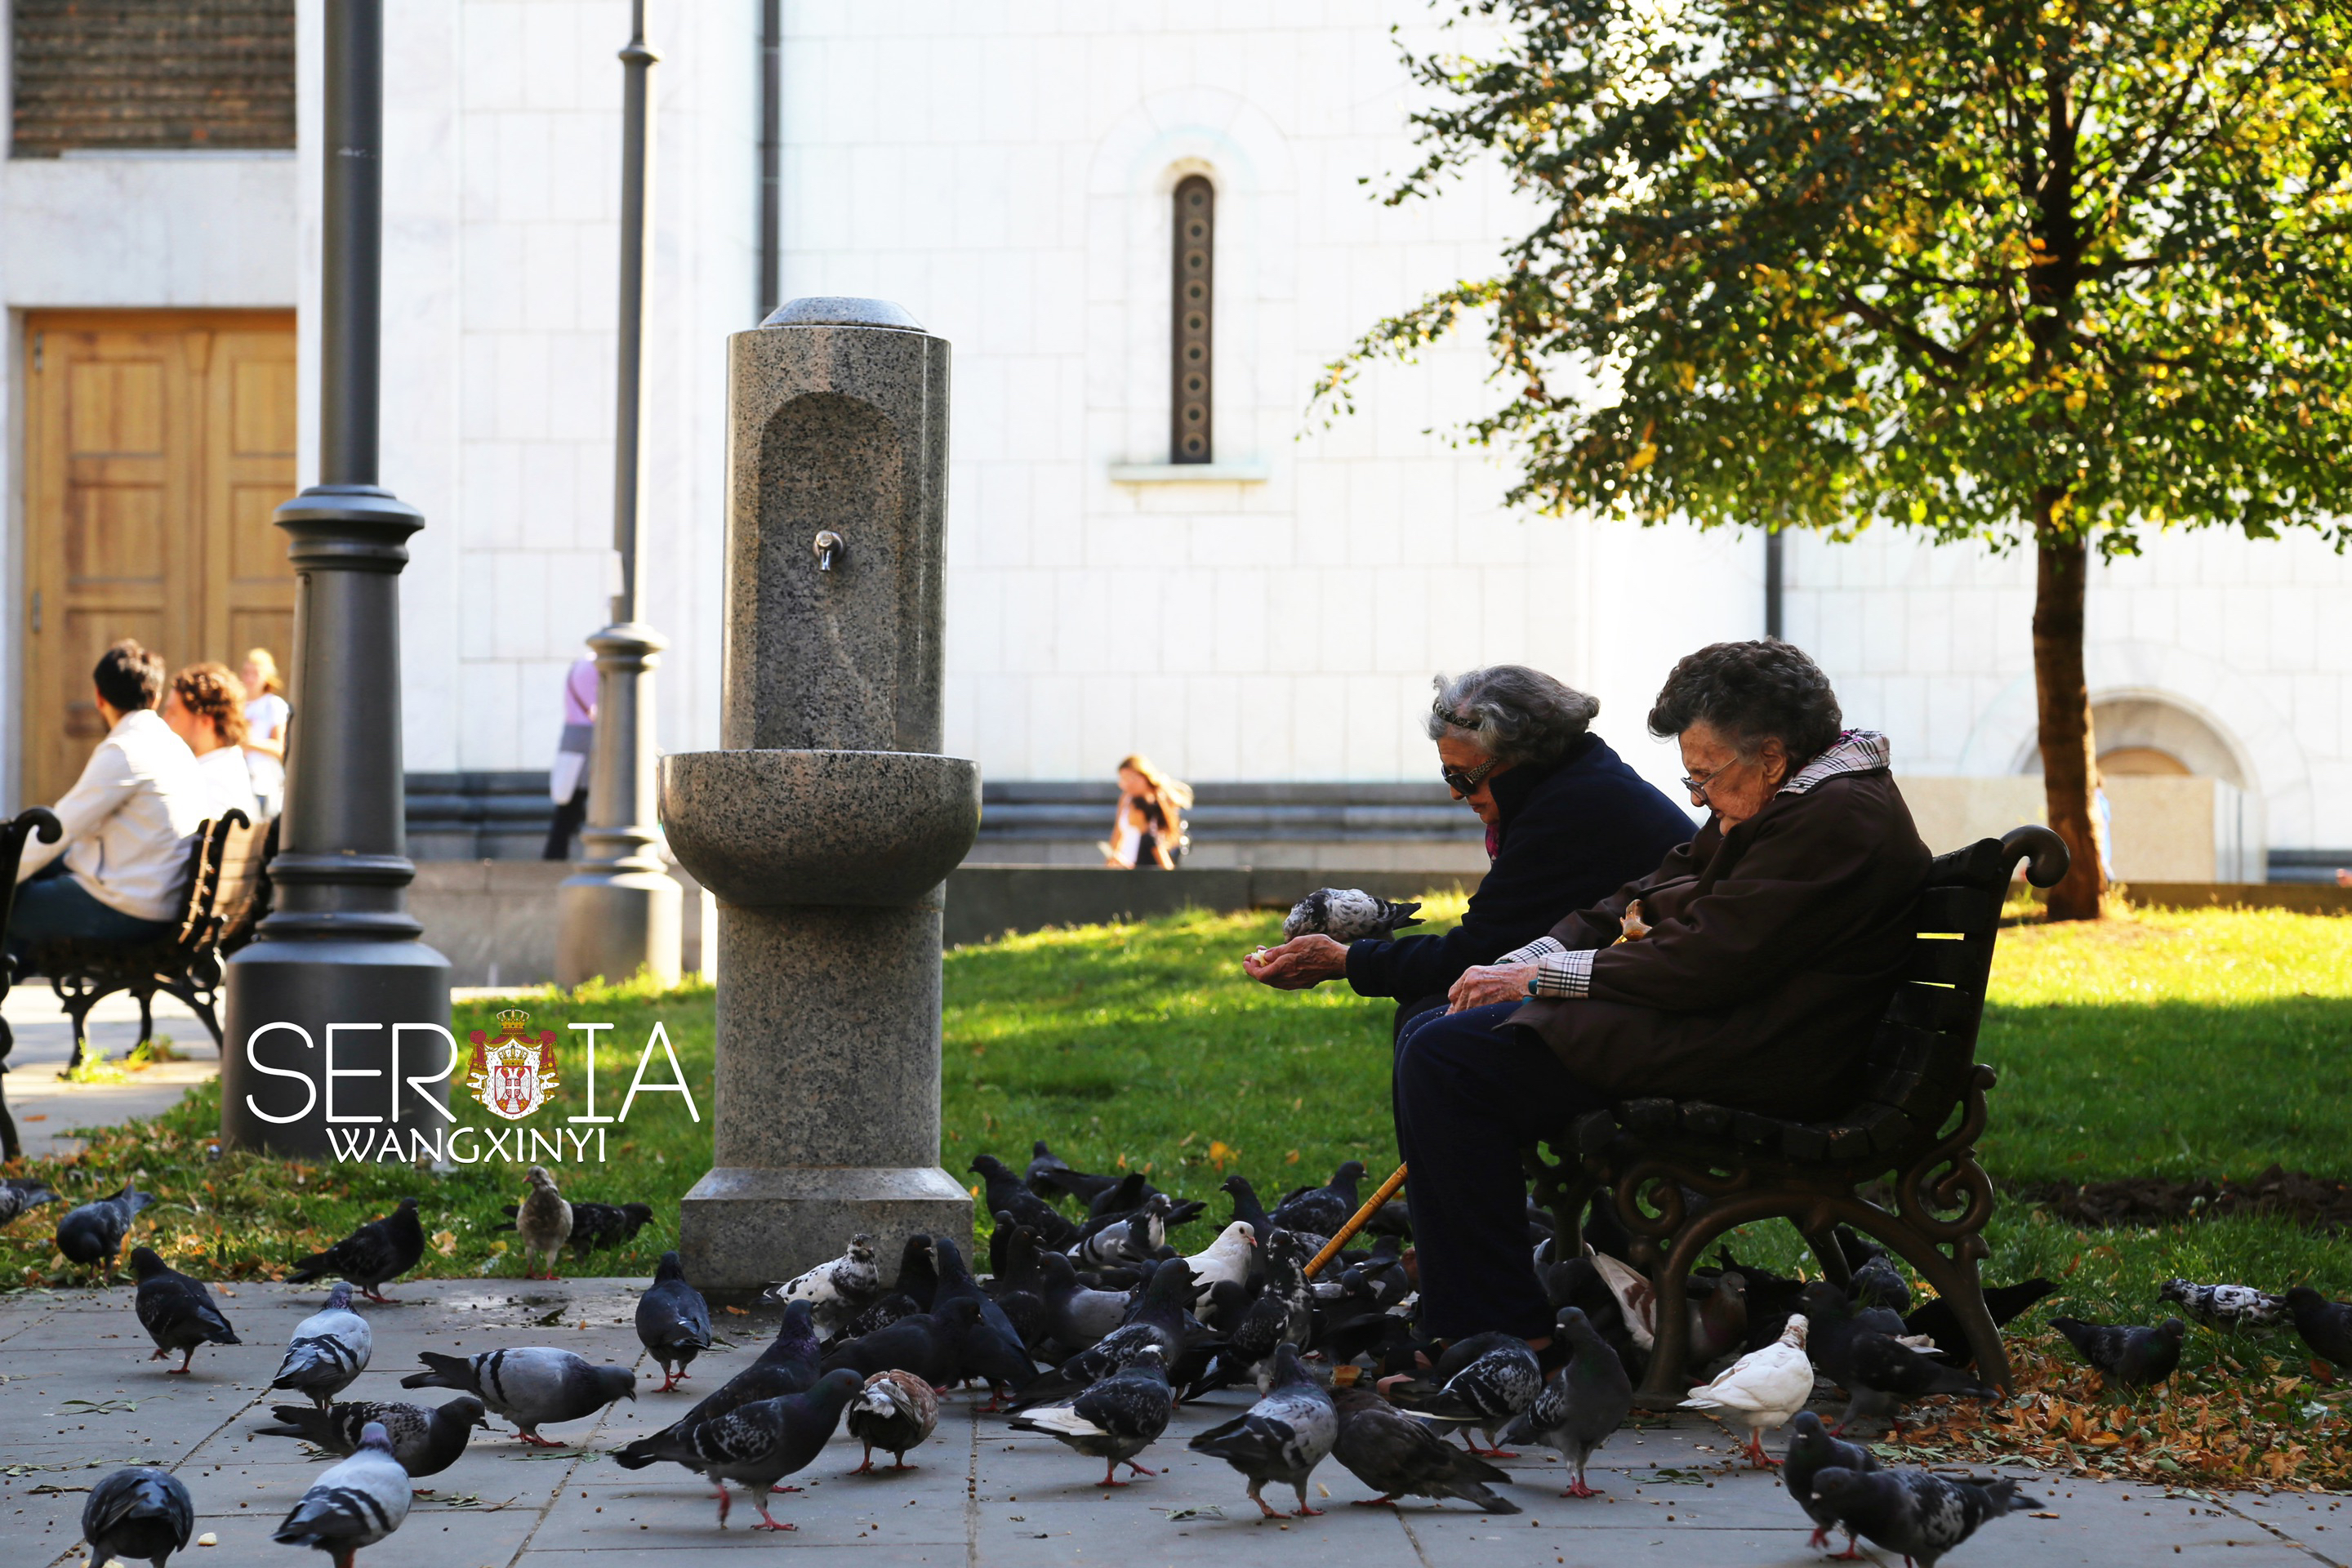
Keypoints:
pixel 1582 1403
pixel 1347 914
pixel 1282 1438
pixel 2126 1354
pixel 673 1320
pixel 330 1348
pixel 22 1195
pixel 1811 1451
pixel 2326 1326
pixel 1397 1455
pixel 1918 1514
pixel 426 1441
pixel 1115 1419
pixel 377 1252
pixel 356 1503
pixel 758 1445
pixel 2225 1306
pixel 894 1412
pixel 543 1221
pixel 178 1312
pixel 93 1233
pixel 530 1385
pixel 139 1514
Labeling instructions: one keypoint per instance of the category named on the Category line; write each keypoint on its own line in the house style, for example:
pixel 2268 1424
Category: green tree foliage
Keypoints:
pixel 2038 274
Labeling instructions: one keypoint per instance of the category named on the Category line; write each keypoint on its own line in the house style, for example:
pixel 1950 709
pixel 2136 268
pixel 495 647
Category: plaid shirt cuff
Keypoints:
pixel 1563 974
pixel 1533 951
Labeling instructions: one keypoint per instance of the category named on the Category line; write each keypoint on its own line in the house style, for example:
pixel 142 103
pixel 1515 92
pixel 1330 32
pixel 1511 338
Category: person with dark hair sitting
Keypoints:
pixel 118 871
pixel 1750 975
pixel 1567 822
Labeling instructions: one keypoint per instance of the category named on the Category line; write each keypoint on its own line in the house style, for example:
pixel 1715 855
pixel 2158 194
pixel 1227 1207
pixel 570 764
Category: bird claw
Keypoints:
pixel 767 1523
pixel 1139 1469
pixel 1306 1512
pixel 1580 1490
pixel 1375 1502
pixel 536 1441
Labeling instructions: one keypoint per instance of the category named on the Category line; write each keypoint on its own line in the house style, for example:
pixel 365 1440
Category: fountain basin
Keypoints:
pixel 769 828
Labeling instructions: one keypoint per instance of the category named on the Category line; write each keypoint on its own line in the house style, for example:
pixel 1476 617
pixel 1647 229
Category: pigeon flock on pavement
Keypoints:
pixel 1095 1322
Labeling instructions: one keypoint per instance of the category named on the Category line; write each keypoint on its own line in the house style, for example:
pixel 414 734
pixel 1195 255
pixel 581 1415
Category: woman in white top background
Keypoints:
pixel 205 707
pixel 265 714
pixel 1148 833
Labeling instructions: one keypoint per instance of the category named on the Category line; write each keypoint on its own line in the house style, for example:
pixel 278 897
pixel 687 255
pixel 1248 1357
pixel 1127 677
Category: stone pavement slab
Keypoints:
pixel 46 1106
pixel 979 1495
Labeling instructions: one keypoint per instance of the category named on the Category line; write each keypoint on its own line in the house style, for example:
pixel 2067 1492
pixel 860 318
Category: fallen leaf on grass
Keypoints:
pixel 445 1242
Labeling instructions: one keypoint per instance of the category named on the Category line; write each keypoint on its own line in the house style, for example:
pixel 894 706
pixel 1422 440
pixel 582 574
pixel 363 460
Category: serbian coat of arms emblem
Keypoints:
pixel 513 1072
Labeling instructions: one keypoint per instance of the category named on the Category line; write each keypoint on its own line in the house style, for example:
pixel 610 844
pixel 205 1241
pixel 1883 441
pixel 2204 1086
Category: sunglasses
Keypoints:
pixel 1465 782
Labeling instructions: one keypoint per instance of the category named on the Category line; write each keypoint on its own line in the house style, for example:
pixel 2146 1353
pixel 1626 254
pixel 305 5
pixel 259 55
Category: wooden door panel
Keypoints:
pixel 115 407
pixel 249 465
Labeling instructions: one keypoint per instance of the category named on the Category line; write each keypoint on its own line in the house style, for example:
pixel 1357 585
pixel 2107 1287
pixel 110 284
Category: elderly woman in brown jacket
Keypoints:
pixel 1748 970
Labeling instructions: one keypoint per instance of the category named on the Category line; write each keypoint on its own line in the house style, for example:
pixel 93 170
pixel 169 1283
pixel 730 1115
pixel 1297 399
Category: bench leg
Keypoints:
pixel 1831 1255
pixel 146 1016
pixel 10 1149
pixel 1955 1281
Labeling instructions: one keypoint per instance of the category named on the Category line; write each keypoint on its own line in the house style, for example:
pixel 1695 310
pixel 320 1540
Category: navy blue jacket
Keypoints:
pixel 1570 836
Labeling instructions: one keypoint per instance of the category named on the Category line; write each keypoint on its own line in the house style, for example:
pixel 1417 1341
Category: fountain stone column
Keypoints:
pixel 828 823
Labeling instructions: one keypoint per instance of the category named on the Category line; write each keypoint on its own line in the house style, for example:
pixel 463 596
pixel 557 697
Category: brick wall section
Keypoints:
pixel 153 74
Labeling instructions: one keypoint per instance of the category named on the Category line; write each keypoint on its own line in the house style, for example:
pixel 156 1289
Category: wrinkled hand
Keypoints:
pixel 1298 963
pixel 1485 983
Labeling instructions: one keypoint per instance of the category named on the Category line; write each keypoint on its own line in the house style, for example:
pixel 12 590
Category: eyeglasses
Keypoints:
pixel 1465 782
pixel 1697 786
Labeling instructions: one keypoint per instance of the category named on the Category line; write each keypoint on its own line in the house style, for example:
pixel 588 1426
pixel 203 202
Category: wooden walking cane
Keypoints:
pixel 1347 1232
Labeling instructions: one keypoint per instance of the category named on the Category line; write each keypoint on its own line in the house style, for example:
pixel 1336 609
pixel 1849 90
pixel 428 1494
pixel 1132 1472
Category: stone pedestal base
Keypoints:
pixel 744 1227
pixel 616 923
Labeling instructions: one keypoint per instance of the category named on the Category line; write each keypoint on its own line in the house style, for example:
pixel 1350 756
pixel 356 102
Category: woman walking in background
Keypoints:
pixel 265 714
pixel 1148 831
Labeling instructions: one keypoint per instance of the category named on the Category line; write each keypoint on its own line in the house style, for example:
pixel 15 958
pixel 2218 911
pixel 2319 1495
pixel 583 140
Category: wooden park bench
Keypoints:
pixel 1682 1173
pixel 13 835
pixel 226 899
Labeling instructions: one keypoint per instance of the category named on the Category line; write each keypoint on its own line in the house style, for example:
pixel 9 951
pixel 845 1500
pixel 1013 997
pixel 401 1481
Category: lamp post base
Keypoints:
pixel 616 921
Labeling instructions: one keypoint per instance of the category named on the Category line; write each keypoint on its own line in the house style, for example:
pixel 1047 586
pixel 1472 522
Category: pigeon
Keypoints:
pixel 895 1411
pixel 1761 1389
pixel 1227 1258
pixel 1919 1514
pixel 1282 1438
pixel 2225 1306
pixel 138 1513
pixel 1718 1321
pixel 1049 1174
pixel 880 1315
pixel 1247 1210
pixel 330 1348
pixel 1131 1193
pixel 1937 1322
pixel 2326 1326
pixel 356 1503
pixel 929 1344
pixel 177 1313
pixel 1115 1419
pixel 673 1320
pixel 1008 1194
pixel 1322 1211
pixel 758 1445
pixel 992 1348
pixel 530 1385
pixel 426 1441
pixel 21 1195
pixel 1878 1283
pixel 1248 1350
pixel 1076 1317
pixel 1397 1455
pixel 379 1251
pixel 1811 1451
pixel 1131 1240
pixel 1347 914
pixel 839 1289
pixel 1582 1403
pixel 1883 1375
pixel 1488 1393
pixel 93 1233
pixel 1158 1317
pixel 789 1365
pixel 2126 1355
pixel 543 1220
pixel 595 1226
pixel 1832 1321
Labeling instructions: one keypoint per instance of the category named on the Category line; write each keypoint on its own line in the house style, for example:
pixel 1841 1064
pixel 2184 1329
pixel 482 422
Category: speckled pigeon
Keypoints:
pixel 139 1514
pixel 1282 1438
pixel 1397 1455
pixel 758 1445
pixel 673 1320
pixel 1582 1402
pixel 530 1385
pixel 841 1288
pixel 375 1254
pixel 1349 914
pixel 1918 1514
pixel 330 1348
pixel 789 1365
pixel 178 1312
pixel 426 1441
pixel 1115 1419
pixel 22 1195
pixel 356 1503
pixel 2126 1354
pixel 1486 1394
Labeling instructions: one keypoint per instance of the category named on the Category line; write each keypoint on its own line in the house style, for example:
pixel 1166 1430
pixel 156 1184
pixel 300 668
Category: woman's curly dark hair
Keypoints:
pixel 1749 692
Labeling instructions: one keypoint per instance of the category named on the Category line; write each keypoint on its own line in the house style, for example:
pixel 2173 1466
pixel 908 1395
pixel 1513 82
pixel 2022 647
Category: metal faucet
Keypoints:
pixel 828 544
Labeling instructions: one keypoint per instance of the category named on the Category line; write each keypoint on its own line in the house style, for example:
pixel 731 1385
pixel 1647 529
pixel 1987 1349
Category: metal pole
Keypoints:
pixel 1771 582
pixel 620 911
pixel 341 948
pixel 772 155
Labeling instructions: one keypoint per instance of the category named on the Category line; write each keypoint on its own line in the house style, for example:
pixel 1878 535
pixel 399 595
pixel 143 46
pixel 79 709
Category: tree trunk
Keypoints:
pixel 2070 769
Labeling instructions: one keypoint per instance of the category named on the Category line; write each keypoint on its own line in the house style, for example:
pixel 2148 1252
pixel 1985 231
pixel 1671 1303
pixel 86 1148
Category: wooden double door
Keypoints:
pixel 157 444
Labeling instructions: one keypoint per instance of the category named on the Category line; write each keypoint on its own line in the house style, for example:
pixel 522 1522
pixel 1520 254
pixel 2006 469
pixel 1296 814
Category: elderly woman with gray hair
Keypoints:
pixel 1751 974
pixel 1566 821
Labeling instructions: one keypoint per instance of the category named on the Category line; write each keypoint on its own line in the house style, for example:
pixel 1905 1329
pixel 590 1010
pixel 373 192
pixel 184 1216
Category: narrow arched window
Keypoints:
pixel 1195 268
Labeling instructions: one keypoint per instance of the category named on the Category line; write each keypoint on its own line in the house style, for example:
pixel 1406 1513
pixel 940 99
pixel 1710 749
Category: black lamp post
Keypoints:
pixel 337 981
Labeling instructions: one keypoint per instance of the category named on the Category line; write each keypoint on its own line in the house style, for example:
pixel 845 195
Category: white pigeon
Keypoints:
pixel 1763 1388
pixel 357 1503
pixel 1347 914
pixel 837 1291
pixel 1227 1258
pixel 330 1348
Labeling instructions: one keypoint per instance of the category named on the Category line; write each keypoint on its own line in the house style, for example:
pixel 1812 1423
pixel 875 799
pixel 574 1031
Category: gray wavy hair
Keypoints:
pixel 1512 713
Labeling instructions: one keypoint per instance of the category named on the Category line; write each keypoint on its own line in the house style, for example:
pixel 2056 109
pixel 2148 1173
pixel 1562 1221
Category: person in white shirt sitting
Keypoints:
pixel 205 707
pixel 120 870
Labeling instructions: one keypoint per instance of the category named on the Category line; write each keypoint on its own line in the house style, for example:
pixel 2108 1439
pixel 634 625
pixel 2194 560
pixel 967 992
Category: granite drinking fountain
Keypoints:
pixel 827 824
